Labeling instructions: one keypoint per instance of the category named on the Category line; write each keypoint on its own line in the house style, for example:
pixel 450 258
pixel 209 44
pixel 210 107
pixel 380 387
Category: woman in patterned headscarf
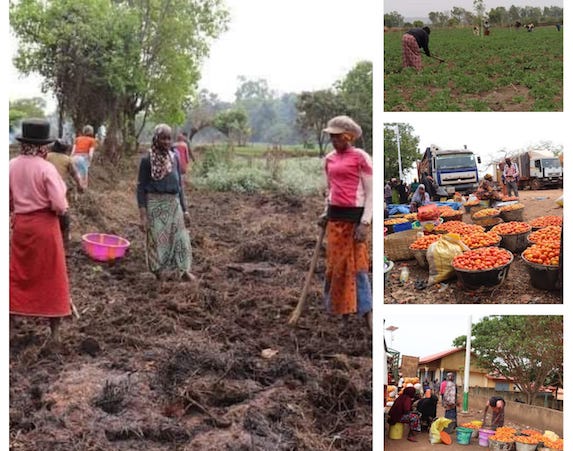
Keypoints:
pixel 38 274
pixel 348 216
pixel 163 210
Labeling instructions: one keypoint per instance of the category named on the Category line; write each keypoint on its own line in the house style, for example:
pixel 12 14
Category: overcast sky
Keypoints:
pixel 295 45
pixel 484 133
pixel 424 335
pixel 421 8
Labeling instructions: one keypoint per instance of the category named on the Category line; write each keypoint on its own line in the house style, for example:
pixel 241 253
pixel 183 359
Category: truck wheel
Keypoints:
pixel 535 184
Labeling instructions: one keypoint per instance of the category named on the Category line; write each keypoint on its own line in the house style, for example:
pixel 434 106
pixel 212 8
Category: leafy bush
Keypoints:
pixel 298 176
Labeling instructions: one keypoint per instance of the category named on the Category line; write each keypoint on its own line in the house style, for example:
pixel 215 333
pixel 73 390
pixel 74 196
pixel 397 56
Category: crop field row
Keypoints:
pixel 510 70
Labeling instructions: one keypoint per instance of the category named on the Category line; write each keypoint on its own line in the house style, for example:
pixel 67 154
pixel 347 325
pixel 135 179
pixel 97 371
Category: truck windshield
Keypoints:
pixel 456 161
pixel 550 163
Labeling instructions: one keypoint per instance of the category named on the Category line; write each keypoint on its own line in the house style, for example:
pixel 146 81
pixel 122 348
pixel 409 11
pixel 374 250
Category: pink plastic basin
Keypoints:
pixel 103 247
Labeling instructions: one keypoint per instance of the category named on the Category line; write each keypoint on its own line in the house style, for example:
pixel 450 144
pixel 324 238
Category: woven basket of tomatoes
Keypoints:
pixel 513 235
pixel 483 217
pixel 485 266
pixel 544 221
pixel 542 262
pixel 475 240
pixel 513 212
pixel 544 235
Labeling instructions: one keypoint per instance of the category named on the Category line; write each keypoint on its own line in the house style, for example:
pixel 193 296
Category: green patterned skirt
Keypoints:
pixel 168 242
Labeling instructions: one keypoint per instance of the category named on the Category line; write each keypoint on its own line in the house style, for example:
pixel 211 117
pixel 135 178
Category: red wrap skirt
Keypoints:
pixel 38 275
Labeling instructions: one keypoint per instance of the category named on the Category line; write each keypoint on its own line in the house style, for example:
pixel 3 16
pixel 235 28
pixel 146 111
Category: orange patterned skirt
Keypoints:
pixel 347 288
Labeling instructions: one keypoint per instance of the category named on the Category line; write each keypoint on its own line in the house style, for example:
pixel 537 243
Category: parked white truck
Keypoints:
pixel 539 169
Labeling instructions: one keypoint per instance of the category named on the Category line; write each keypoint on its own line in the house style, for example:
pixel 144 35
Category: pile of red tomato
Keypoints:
pixel 511 228
pixel 543 254
pixel 484 258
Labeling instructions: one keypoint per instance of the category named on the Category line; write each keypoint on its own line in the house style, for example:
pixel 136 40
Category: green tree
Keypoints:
pixel 202 111
pixel 233 123
pixel 108 61
pixel 525 349
pixel 355 92
pixel 418 23
pixel 315 109
pixel 393 19
pixel 25 108
pixel 257 100
pixel 408 149
pixel 498 16
pixel 458 13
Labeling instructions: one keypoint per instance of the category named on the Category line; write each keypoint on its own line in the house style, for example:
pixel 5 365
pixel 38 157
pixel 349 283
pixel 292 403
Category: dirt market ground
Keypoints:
pixel 162 366
pixel 516 289
pixel 424 444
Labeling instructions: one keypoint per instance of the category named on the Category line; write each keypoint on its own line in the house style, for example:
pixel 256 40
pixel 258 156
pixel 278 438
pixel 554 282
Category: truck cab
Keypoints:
pixel 452 170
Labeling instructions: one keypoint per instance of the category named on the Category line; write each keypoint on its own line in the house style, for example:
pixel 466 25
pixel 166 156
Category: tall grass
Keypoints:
pixel 219 169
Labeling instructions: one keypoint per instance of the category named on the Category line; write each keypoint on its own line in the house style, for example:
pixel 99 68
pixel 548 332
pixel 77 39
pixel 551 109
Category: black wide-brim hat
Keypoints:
pixel 35 131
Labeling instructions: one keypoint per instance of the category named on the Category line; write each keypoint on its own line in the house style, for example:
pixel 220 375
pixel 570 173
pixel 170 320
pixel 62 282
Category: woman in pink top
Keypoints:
pixel 38 273
pixel 348 214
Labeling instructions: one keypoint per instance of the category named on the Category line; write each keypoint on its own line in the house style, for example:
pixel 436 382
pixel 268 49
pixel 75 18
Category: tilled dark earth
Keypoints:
pixel 172 366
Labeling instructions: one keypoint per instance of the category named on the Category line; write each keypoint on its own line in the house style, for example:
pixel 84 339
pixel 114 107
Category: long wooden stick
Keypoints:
pixel 294 317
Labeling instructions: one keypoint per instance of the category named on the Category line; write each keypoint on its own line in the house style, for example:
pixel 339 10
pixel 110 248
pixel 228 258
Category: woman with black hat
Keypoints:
pixel 38 275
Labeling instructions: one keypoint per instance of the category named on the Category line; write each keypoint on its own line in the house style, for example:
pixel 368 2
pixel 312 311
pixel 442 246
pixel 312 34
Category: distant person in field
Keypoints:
pixel 412 41
pixel 185 155
pixel 58 156
pixel 348 216
pixel 83 153
pixel 39 284
pixel 476 30
pixel 558 26
pixel 486 27
pixel 163 210
pixel 511 176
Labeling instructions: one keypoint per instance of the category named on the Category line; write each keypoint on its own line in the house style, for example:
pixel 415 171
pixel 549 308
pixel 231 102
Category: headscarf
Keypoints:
pixel 160 157
pixel 419 196
pixel 33 150
pixel 402 405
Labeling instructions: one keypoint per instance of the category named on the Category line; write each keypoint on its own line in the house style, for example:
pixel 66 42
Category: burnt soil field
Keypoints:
pixel 515 289
pixel 172 366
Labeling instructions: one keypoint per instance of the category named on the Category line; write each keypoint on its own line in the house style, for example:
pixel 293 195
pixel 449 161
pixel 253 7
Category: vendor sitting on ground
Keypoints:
pixel 419 199
pixel 401 412
pixel 488 190
pixel 427 408
pixel 497 405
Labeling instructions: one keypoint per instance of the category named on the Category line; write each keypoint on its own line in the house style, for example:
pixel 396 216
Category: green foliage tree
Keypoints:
pixel 458 13
pixel 418 24
pixel 233 123
pixel 393 19
pixel 355 92
pixel 315 109
pixel 202 111
pixel 498 16
pixel 109 61
pixel 257 100
pixel 23 108
pixel 408 149
pixel 525 349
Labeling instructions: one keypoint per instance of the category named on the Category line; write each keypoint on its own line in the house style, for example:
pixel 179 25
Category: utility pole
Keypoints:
pixel 467 366
pixel 397 132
